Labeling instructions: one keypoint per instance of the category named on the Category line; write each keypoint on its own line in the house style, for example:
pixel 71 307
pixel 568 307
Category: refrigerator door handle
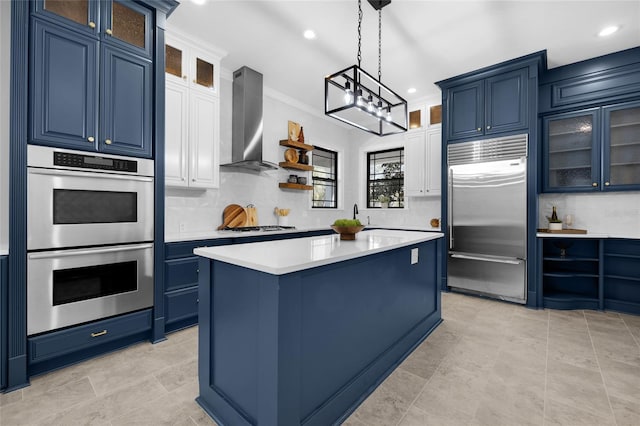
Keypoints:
pixel 450 207
pixel 509 261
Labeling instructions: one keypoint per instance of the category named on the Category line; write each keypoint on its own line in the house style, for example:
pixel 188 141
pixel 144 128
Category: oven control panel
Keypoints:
pixel 67 159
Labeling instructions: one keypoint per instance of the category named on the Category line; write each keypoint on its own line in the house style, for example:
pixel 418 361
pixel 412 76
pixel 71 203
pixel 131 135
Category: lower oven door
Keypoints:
pixel 68 287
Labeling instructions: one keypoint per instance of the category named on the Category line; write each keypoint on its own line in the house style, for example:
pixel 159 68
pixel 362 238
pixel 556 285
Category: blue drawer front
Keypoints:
pixel 58 343
pixel 181 304
pixel 181 273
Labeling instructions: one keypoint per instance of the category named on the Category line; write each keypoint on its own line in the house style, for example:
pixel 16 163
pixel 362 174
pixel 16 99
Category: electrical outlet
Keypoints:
pixel 183 226
pixel 414 256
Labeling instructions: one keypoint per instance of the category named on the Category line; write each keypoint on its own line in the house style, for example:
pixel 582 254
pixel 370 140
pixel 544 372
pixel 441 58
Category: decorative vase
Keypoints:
pixel 555 226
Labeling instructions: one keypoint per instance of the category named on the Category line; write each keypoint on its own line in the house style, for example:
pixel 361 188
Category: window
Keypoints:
pixel 325 178
pixel 385 178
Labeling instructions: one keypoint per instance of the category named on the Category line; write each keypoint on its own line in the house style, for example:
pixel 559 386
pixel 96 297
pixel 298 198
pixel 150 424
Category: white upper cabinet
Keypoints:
pixel 423 162
pixel 192 116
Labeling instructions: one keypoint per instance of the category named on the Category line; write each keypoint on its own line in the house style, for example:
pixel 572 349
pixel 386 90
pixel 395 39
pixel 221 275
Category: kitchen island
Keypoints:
pixel 302 330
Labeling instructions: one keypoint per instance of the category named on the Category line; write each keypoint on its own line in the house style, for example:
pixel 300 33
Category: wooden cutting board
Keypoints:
pixel 252 215
pixel 563 231
pixel 233 216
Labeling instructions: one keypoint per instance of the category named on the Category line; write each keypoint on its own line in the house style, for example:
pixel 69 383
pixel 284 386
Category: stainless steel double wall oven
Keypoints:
pixel 89 236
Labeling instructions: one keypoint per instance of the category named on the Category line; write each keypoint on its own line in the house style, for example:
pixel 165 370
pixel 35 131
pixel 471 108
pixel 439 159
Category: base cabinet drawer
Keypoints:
pixel 181 308
pixel 58 343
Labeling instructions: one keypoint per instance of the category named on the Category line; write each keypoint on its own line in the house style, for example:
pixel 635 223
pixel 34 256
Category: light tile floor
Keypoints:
pixel 488 363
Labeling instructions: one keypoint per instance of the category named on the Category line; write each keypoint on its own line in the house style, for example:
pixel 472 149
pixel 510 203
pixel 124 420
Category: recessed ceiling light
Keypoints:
pixel 411 90
pixel 608 30
pixel 199 2
pixel 309 34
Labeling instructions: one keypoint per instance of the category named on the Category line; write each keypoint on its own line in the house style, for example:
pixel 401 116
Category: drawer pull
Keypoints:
pixel 98 334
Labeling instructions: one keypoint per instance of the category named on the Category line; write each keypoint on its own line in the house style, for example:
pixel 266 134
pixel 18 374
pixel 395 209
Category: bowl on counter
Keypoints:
pixel 347 232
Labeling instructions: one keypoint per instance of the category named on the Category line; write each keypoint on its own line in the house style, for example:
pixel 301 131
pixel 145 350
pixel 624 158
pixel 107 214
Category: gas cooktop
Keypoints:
pixel 258 228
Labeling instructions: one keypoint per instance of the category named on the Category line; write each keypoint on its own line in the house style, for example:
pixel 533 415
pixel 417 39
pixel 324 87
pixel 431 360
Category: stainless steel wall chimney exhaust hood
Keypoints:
pixel 247 125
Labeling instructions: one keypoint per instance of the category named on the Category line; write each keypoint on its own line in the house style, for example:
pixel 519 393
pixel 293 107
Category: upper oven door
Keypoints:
pixel 75 208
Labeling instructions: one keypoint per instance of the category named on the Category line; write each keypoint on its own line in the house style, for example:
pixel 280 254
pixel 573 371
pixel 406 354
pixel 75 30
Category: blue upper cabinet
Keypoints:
pixel 64 78
pixel 621 146
pixel 591 110
pixel 78 104
pixel 571 160
pixel 489 106
pixel 126 94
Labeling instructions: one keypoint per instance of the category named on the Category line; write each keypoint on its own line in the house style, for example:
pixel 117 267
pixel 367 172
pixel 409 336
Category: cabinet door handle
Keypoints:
pixel 594 184
pixel 488 127
pixel 606 184
pixel 92 24
pixel 108 31
pixel 479 128
pixel 99 333
pixel 91 139
pixel 184 77
pixel 107 141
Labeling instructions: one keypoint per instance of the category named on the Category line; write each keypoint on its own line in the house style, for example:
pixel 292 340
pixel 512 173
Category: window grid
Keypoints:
pixel 325 179
pixel 385 177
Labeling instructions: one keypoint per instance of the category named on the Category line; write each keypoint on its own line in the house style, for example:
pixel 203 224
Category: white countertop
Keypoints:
pixel 214 234
pixel 296 254
pixel 587 235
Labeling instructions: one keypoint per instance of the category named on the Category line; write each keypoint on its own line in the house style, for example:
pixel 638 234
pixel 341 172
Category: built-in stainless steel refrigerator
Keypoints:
pixel 487 206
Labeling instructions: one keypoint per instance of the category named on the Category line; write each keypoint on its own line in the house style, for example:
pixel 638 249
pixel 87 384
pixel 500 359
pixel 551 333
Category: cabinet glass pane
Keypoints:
pixel 624 149
pixel 76 10
pixel 204 73
pixel 128 25
pixel 415 119
pixel 570 142
pixel 173 61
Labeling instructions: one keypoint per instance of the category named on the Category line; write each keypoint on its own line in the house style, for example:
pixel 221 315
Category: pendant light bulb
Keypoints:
pixel 359 99
pixel 388 117
pixel 348 93
pixel 379 112
pixel 370 106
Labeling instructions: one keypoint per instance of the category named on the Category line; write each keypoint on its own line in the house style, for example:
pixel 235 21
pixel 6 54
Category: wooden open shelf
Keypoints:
pixel 297 145
pixel 287 185
pixel 297 166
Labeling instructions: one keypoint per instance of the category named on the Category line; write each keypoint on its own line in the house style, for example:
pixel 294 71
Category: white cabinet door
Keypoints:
pixel 433 162
pixel 176 134
pixel 414 175
pixel 204 134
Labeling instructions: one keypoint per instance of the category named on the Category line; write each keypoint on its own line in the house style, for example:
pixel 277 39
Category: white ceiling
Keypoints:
pixel 422 41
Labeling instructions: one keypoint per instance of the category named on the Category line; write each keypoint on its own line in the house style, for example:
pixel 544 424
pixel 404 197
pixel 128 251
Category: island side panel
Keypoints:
pixel 359 320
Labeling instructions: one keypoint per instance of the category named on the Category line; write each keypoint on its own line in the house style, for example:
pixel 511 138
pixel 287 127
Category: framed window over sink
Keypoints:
pixel 385 178
pixel 325 178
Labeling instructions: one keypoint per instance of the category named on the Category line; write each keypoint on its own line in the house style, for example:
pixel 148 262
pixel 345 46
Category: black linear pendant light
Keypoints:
pixel 355 97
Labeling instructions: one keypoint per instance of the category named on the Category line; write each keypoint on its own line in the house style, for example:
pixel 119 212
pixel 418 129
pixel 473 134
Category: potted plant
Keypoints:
pixel 555 224
pixel 347 228
pixel 384 201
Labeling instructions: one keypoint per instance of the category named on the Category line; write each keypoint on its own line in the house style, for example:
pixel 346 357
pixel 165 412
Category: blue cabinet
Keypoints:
pixel 590 273
pixel 595 149
pixel 74 102
pixel 3 322
pixel 490 106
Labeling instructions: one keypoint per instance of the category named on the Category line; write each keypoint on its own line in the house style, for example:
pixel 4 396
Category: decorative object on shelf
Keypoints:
pixel 355 97
pixel 291 155
pixel 233 215
pixel 301 135
pixel 384 201
pixel 303 158
pixel 555 224
pixel 293 131
pixel 283 216
pixel 435 222
pixel 563 245
pixel 293 179
pixel 252 215
pixel 302 180
pixel 347 228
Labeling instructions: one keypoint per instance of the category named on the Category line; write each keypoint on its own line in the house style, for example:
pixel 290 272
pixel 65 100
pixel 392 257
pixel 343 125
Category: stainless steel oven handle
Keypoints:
pixel 54 172
pixel 83 252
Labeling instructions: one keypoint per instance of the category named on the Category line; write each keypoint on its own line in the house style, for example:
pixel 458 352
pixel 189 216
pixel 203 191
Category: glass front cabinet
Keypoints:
pixel 596 149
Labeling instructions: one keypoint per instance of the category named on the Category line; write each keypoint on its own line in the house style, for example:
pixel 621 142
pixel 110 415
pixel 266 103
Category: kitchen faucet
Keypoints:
pixel 355 210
